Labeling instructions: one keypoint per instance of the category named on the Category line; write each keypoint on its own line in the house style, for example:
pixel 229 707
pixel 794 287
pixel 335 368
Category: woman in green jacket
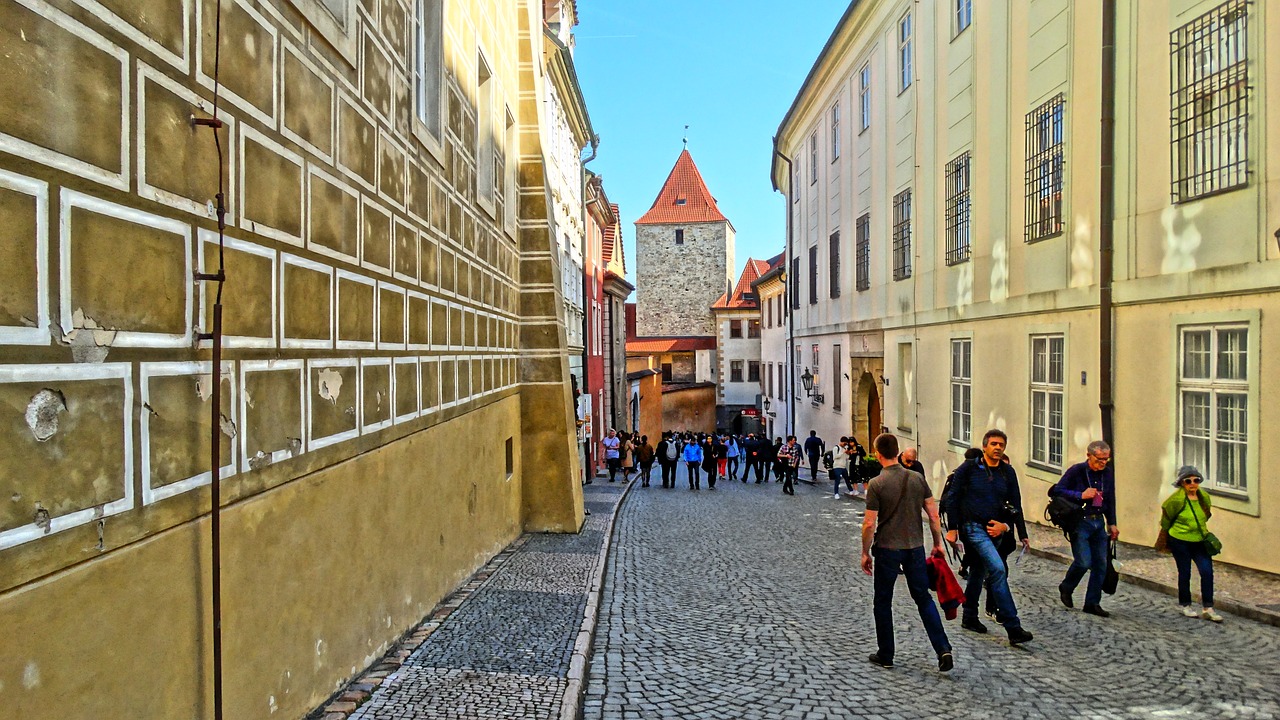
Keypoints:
pixel 1184 517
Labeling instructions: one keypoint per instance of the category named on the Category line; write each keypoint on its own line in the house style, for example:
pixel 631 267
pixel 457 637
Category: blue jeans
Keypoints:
pixel 1089 554
pixel 1183 554
pixel 911 564
pixel 989 570
pixel 838 474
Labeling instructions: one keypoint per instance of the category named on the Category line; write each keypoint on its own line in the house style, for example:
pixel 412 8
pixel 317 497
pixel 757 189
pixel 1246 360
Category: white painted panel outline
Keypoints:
pixel 357 344
pixel 252 366
pixel 206 257
pixel 196 371
pixel 398 390
pixel 385 363
pixel 313 392
pixel 38 335
pixel 287 342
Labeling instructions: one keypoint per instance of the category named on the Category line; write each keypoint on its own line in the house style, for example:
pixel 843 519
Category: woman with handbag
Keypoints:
pixel 1184 517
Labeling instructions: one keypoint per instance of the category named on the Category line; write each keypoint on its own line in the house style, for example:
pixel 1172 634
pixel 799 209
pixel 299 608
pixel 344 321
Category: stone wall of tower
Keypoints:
pixel 676 284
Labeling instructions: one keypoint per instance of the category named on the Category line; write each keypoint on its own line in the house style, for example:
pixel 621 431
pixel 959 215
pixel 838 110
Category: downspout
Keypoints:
pixel 786 306
pixel 1106 181
pixel 586 318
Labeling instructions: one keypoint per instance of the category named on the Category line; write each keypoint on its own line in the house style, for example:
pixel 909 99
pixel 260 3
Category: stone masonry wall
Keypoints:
pixel 676 284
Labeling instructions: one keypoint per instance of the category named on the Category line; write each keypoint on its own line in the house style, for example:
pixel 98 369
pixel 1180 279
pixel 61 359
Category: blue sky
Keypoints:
pixel 727 68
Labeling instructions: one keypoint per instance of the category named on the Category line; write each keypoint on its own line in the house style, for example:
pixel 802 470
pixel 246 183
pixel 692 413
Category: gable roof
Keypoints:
pixel 684 197
pixel 738 301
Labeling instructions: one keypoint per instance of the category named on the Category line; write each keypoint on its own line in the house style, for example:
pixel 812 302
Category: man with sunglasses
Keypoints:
pixel 1093 484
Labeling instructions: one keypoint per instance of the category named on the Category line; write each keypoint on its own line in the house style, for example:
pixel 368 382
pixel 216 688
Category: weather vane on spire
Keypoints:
pixel 686 137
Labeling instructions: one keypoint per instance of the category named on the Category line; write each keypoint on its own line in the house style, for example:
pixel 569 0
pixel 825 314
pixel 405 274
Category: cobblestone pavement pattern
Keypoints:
pixel 745 603
pixel 505 651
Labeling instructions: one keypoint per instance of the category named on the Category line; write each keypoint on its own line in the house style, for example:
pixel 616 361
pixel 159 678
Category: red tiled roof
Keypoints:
pixel 753 270
pixel 656 345
pixel 684 197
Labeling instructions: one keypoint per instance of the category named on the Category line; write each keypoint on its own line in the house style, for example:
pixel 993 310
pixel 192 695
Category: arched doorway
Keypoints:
pixel 867 420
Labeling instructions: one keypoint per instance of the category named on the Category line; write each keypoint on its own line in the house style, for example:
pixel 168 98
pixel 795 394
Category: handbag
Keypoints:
pixel 1112 579
pixel 1212 545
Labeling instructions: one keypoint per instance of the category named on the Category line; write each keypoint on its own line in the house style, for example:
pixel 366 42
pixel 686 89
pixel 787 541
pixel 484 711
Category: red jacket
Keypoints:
pixel 943 582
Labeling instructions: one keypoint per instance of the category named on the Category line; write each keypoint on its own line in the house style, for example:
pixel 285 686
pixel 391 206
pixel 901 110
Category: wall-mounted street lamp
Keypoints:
pixel 767 404
pixel 811 383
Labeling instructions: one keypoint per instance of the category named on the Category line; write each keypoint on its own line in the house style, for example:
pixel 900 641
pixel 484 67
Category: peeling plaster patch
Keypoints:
pixel 295 446
pixel 41 518
pixel 259 461
pixel 271 704
pixel 89 341
pixel 102 543
pixel 330 382
pixel 204 385
pixel 31 676
pixel 42 413
pixel 148 408
pixel 16 497
pixel 248 399
pixel 228 426
pixel 27 321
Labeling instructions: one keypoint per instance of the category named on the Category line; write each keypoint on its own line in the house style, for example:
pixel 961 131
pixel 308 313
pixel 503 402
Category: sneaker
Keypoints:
pixel 1017 636
pixel 946 662
pixel 836 496
pixel 973 624
pixel 1188 612
pixel 1065 596
pixel 1096 610
pixel 1209 614
pixel 851 494
pixel 875 659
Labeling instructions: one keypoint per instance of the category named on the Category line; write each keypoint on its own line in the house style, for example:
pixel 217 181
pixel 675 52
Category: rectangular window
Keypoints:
pixel 817 379
pixel 957 182
pixel 795 185
pixel 1213 399
pixel 511 457
pixel 902 235
pixel 904 53
pixel 428 67
pixel 906 386
pixel 782 376
pixel 679 236
pixel 813 157
pixel 964 15
pixel 735 328
pixel 863 252
pixel 510 172
pixel 837 367
pixel 835 132
pixel 813 275
pixel 962 391
pixel 753 329
pixel 768 313
pixel 753 371
pixel 1210 114
pixel 864 96
pixel 795 283
pixel 1047 398
pixel 1044 170
pixel 735 371
pixel 486 156
pixel 833 253
pixel 667 372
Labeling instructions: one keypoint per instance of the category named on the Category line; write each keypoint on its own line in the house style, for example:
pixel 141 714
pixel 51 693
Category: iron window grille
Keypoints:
pixel 902 235
pixel 1044 170
pixel 1210 103
pixel 957 213
pixel 863 252
pixel 834 262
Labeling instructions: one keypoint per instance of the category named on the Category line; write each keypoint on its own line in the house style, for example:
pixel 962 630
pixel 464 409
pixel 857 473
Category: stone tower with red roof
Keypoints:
pixel 684 257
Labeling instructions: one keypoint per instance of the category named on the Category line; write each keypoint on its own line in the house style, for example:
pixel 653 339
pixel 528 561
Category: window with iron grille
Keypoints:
pixel 834 262
pixel 795 283
pixel 1044 170
pixel 813 275
pixel 753 371
pixel 961 390
pixel 1213 399
pixel 1210 113
pixel 1048 374
pixel 902 235
pixel 957 182
pixel 863 252
pixel 835 132
pixel 735 371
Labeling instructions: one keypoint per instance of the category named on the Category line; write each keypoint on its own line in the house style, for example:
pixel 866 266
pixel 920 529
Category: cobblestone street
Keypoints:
pixel 745 603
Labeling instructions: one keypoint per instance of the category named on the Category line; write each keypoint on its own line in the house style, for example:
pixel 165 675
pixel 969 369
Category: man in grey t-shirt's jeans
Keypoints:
pixel 892 533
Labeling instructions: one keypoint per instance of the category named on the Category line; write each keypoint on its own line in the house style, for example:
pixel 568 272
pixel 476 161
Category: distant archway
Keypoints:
pixel 866 419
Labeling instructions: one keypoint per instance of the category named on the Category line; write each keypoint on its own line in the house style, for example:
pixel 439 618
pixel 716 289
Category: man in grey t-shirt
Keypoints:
pixel 892 533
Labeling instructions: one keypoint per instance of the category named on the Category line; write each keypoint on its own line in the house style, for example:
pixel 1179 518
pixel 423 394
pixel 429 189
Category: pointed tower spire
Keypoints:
pixel 684 197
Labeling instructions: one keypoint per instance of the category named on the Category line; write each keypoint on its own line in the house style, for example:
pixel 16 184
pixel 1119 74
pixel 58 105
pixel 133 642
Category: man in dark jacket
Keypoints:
pixel 751 454
pixel 1091 483
pixel 768 456
pixel 985 504
pixel 813 448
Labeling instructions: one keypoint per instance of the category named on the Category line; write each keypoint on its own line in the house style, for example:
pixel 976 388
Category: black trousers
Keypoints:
pixel 733 468
pixel 695 475
pixel 748 465
pixel 789 479
pixel 813 466
pixel 712 474
pixel 668 473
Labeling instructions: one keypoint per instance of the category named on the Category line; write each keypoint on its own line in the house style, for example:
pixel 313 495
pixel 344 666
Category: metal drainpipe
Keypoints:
pixel 1106 181
pixel 786 291
pixel 586 317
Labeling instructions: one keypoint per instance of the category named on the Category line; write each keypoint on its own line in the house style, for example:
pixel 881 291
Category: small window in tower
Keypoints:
pixel 681 200
pixel 680 237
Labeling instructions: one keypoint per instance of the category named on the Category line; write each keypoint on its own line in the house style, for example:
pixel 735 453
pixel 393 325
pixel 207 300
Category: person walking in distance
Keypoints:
pixel 1184 519
pixel 984 490
pixel 751 453
pixel 1092 483
pixel 644 459
pixel 693 461
pixel 910 459
pixel 732 453
pixel 668 452
pixel 857 468
pixel 712 454
pixel 893 545
pixel 790 457
pixel 814 447
pixel 839 467
pixel 612 452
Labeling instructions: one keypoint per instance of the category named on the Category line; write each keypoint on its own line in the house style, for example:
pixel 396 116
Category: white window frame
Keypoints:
pixel 813 157
pixel 905 37
pixel 835 131
pixel 864 96
pixel 336 25
pixel 962 391
pixel 1216 388
pixel 963 15
pixel 1046 387
pixel 427 83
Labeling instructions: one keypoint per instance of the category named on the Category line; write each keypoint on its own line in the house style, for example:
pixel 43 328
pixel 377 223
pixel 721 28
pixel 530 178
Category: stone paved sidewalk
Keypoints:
pixel 512 643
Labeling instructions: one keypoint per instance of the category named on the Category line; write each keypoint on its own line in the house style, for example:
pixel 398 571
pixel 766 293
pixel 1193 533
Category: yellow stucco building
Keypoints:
pixel 394 403
pixel 946 182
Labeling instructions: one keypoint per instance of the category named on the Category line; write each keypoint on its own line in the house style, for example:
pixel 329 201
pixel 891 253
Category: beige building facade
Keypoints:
pixel 942 166
pixel 394 383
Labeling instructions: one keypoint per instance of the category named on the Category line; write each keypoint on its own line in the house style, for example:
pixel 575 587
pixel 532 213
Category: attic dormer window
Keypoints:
pixel 680 201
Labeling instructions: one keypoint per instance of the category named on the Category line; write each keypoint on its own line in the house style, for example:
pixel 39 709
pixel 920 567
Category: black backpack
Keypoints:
pixel 828 460
pixel 947 498
pixel 1064 514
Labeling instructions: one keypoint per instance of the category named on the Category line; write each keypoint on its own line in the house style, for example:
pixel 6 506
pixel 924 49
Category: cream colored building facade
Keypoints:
pixel 942 169
pixel 395 396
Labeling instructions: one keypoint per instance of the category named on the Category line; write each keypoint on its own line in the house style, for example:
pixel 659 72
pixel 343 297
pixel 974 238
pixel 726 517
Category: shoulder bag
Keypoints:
pixel 1212 545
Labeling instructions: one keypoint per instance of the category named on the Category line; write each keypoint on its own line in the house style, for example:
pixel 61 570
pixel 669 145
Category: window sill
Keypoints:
pixel 1044 467
pixel 959 444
